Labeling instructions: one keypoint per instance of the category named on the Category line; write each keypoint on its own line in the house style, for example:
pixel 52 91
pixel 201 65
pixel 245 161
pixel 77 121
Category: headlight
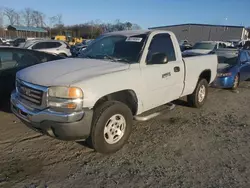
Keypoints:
pixel 66 92
pixel 65 98
pixel 224 74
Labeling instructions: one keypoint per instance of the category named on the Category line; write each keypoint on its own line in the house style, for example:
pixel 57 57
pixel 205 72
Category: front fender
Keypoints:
pixel 92 96
pixel 100 86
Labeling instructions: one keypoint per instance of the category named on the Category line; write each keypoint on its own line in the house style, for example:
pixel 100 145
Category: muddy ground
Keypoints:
pixel 208 147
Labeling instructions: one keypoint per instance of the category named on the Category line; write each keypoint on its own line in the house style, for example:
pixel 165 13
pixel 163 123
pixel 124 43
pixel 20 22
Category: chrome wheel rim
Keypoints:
pixel 201 93
pixel 114 129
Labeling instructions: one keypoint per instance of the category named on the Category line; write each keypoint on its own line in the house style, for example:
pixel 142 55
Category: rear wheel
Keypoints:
pixel 236 82
pixel 111 128
pixel 198 97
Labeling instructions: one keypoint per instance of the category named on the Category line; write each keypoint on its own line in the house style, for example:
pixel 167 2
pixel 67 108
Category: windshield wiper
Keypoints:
pixel 109 57
pixel 123 60
pixel 116 59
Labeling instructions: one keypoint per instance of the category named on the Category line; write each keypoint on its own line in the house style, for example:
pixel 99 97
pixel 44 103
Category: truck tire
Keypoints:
pixel 111 127
pixel 199 96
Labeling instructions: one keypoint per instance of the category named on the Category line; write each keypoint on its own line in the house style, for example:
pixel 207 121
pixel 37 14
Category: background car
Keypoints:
pixel 14 59
pixel 76 50
pixel 233 67
pixel 185 45
pixel 204 47
pixel 4 42
pixel 15 42
pixel 51 46
pixel 234 43
pixel 28 43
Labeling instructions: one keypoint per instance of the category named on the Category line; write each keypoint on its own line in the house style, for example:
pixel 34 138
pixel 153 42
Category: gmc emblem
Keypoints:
pixel 25 90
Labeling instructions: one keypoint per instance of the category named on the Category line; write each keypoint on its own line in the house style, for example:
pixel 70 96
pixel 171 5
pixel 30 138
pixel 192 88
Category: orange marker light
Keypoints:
pixel 75 92
pixel 71 106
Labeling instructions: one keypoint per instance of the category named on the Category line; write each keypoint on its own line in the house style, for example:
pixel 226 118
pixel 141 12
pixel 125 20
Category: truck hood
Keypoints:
pixel 196 52
pixel 68 71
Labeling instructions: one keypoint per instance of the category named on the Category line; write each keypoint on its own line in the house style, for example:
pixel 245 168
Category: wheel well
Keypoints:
pixel 127 97
pixel 206 74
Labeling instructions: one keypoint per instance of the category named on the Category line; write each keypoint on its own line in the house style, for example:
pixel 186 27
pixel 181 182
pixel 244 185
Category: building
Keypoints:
pixel 204 32
pixel 24 32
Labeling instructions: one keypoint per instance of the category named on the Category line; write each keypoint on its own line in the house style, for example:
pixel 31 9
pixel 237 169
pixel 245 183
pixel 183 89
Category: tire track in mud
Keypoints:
pixel 13 142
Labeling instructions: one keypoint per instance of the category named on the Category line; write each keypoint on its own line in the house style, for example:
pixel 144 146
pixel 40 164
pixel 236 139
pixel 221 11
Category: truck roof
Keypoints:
pixel 129 32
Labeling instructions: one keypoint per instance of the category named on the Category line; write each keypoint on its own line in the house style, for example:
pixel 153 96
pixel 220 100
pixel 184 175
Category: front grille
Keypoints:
pixel 30 94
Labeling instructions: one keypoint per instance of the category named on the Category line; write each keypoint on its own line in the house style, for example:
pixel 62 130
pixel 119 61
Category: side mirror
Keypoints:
pixel 158 58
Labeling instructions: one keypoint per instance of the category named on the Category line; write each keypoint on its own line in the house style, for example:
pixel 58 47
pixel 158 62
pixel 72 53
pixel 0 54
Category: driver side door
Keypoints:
pixel 164 82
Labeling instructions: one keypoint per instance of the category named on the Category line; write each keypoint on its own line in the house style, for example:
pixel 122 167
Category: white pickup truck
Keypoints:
pixel 120 76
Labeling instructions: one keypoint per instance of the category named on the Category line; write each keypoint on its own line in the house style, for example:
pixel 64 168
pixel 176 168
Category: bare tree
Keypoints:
pixel 58 23
pixel 52 21
pixel 59 19
pixel 18 19
pixel 55 21
pixel 27 16
pixel 11 15
pixel 135 27
pixel 1 18
pixel 1 23
pixel 129 25
pixel 37 18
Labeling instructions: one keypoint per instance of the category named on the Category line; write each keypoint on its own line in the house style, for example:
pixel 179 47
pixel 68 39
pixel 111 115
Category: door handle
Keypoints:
pixel 176 69
pixel 166 75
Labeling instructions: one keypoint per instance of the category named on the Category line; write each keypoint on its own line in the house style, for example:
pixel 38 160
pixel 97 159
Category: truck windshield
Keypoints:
pixel 116 47
pixel 204 46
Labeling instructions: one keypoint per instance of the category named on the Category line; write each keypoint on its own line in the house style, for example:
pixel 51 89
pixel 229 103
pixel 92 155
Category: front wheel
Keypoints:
pixel 111 128
pixel 199 96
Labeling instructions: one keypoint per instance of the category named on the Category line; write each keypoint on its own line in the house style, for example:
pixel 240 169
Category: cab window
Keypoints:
pixel 161 43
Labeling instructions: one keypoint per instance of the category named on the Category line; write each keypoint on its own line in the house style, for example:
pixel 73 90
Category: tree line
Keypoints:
pixel 93 29
pixel 55 26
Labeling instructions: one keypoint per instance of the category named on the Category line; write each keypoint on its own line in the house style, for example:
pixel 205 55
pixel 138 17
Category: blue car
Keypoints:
pixel 233 67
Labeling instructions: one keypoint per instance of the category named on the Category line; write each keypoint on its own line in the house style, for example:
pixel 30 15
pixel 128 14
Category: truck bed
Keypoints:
pixel 193 68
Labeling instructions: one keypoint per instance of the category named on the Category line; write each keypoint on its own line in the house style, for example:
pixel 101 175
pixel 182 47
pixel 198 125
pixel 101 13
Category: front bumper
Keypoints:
pixel 223 82
pixel 61 125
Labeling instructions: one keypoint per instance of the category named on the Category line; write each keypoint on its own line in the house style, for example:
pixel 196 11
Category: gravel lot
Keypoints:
pixel 208 147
